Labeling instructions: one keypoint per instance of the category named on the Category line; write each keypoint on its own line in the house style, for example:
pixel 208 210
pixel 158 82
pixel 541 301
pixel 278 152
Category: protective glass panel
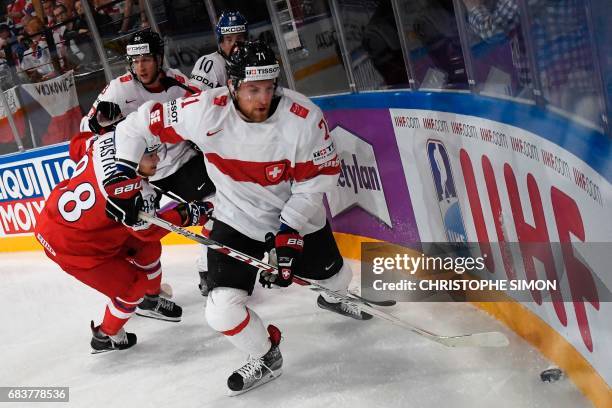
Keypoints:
pixel 602 23
pixel 433 43
pixel 187 30
pixel 314 53
pixel 499 54
pixel 561 35
pixel 53 71
pixel 373 44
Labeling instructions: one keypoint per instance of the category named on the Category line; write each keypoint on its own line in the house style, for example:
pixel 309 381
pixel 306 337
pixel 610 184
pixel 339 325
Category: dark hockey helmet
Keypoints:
pixel 231 22
pixel 145 43
pixel 251 61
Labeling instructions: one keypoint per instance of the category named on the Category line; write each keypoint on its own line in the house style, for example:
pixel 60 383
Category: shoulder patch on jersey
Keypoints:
pixel 180 78
pixel 220 100
pixel 299 110
pixel 125 78
pixel 324 154
pixel 171 114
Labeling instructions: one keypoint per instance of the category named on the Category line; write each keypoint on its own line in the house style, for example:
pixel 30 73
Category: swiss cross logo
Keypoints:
pixel 286 273
pixel 274 172
pixel 155 117
pixel 220 100
pixel 299 110
pixel 124 78
pixel 180 79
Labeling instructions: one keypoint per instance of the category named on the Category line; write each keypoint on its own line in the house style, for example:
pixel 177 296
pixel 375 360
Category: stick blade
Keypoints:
pixel 486 339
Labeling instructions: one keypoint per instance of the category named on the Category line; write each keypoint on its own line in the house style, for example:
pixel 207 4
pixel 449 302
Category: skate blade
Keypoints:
pixel 94 351
pixel 156 316
pixel 364 316
pixel 269 377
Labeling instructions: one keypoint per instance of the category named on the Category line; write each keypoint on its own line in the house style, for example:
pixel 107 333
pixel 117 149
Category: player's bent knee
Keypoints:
pixel 148 253
pixel 225 308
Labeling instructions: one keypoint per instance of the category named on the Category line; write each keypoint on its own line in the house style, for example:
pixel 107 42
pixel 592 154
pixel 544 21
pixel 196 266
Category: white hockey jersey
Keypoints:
pixel 209 72
pixel 130 94
pixel 264 173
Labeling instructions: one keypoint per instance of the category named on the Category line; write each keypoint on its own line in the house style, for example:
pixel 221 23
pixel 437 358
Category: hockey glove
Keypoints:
pixel 105 117
pixel 123 198
pixel 288 245
pixel 195 212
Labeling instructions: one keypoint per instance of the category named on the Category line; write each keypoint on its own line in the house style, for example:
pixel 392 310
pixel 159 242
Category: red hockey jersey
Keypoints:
pixel 74 228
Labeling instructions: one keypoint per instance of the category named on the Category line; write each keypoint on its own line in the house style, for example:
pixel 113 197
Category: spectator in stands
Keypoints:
pixel 381 42
pixel 127 17
pixel 6 38
pixel 6 56
pixel 103 21
pixel 432 29
pixel 66 39
pixel 69 4
pixel 16 11
pixel 36 62
pixel 48 7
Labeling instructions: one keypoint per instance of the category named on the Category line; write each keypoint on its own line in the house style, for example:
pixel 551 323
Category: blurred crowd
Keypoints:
pixel 38 46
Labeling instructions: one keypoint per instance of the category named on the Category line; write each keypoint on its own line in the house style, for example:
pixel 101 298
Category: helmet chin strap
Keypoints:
pixel 233 86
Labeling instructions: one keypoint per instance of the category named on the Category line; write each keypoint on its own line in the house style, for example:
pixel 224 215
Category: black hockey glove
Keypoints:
pixel 288 245
pixel 195 212
pixel 123 198
pixel 105 117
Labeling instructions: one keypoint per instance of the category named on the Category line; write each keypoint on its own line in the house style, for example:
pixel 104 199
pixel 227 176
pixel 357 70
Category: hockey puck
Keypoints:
pixel 551 374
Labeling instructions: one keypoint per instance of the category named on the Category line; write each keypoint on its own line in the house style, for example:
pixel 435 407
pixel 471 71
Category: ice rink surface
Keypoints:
pixel 329 360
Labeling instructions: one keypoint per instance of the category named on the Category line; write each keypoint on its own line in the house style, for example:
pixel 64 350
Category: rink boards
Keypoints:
pixel 475 169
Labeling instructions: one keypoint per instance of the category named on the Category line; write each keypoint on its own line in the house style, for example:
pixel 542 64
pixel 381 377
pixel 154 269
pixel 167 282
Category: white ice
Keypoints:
pixel 329 360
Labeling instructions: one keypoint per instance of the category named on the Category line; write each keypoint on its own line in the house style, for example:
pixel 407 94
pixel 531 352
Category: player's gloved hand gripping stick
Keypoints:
pixel 484 339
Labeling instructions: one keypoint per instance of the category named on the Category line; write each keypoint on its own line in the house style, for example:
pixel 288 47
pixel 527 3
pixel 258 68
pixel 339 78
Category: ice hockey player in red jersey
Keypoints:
pixel 182 171
pixel 269 152
pixel 90 228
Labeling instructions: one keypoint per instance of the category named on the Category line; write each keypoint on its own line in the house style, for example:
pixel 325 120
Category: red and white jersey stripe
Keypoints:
pixel 264 172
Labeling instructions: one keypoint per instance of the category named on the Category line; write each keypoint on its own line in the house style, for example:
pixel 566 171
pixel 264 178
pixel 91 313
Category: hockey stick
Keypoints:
pixel 168 194
pixel 486 339
pixel 169 82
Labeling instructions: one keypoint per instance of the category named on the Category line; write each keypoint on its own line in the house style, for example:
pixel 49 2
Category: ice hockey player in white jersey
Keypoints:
pixel 209 70
pixel 271 157
pixel 182 171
